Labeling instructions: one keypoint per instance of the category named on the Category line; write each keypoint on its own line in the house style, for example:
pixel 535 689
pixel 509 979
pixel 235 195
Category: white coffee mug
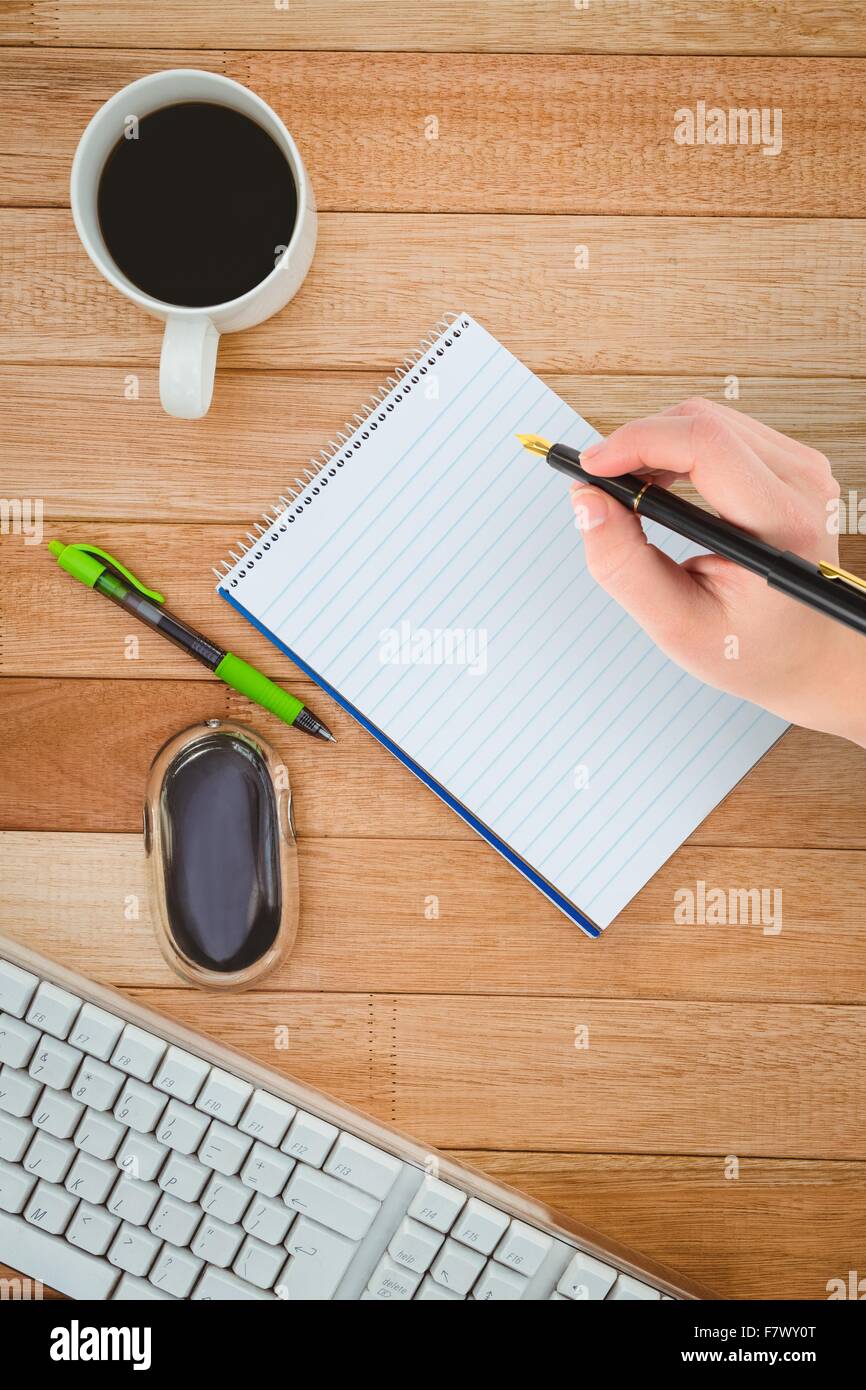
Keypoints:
pixel 189 345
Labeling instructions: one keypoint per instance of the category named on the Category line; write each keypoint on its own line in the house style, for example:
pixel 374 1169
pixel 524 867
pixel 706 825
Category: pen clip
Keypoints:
pixel 120 569
pixel 834 572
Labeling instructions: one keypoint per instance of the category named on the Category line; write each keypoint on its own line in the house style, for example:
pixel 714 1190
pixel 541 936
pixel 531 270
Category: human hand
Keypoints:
pixel 719 621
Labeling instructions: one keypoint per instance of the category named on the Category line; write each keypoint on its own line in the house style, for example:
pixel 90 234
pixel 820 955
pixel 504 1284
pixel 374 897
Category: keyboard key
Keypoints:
pixel 53 1010
pixel 133 1201
pixel 53 1260
pixel 175 1271
pixel 181 1128
pixel 224 1149
pixel 317 1261
pixel 336 1205
pixel 91 1228
pixel 430 1292
pixel 136 1290
pixel 98 1134
pixel 219 1284
pixel 174 1221
pixel 15 1188
pixel 224 1096
pixel 414 1245
pixel 18 1092
pixel 266 1170
pixel 628 1289
pixel 17 1041
pixel 457 1267
pixel 309 1139
pixel 258 1263
pixel 266 1118
pixel 50 1208
pixel 138 1053
pixel 95 1032
pixel 49 1158
pixel 90 1179
pixel 499 1283
pixel 215 1242
pixel 437 1204
pixel 139 1106
pixel 359 1163
pixel 15 1136
pixel 97 1084
pixel 180 1074
pixel 183 1177
pixel 57 1112
pixel 226 1198
pixel 392 1281
pixel 585 1278
pixel 480 1226
pixel 133 1249
pixel 17 988
pixel 523 1248
pixel 54 1063
pixel 141 1156
pixel 268 1220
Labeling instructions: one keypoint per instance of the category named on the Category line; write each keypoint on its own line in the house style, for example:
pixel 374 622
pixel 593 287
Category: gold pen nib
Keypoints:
pixel 534 443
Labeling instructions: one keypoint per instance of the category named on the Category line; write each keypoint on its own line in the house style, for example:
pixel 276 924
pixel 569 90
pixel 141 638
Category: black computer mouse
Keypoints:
pixel 220 840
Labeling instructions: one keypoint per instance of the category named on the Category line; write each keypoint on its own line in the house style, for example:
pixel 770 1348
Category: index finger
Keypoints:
pixel 723 466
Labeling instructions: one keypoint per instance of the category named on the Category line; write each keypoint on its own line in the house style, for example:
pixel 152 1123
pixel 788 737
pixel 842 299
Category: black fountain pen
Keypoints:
pixel 825 587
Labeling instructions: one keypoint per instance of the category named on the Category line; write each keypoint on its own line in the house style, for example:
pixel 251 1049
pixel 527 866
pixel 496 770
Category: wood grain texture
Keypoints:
pixel 684 295
pixel 780 1229
pixel 539 26
pixel 358 790
pixel 367 923
pixel 657 1077
pixel 74 438
pixel 396 133
pixel 705 1042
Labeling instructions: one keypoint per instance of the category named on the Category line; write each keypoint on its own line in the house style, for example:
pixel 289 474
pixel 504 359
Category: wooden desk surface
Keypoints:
pixel 713 1051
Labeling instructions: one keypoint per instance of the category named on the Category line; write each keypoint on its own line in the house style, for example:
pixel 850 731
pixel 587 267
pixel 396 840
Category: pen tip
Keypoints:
pixel 534 443
pixel 326 733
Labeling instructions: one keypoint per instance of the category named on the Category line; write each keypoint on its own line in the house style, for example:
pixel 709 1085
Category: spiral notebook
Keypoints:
pixel 426 572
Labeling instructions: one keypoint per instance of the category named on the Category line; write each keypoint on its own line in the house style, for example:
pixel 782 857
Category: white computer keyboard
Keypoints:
pixel 139 1160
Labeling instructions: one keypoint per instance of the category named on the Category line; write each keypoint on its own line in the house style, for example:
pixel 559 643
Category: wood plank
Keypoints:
pixel 598 134
pixel 368 923
pixel 682 1078
pixel 781 1229
pixel 37 602
pixel 47 100
pixel 741 295
pixel 74 439
pixel 360 792
pixel 532 26
pixel 467 1072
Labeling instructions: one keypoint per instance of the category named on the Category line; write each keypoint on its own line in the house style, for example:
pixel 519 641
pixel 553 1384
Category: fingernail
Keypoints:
pixel 590 508
pixel 593 449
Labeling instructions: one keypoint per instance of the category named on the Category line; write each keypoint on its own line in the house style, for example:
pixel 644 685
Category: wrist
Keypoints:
pixel 843 679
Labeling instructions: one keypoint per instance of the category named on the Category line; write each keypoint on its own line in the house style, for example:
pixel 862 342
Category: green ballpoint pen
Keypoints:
pixel 100 571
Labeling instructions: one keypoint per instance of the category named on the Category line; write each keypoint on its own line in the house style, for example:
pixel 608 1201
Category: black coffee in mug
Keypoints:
pixel 198 205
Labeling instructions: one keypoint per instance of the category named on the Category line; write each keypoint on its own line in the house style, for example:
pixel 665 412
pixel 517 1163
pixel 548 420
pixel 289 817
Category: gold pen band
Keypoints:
pixel 636 503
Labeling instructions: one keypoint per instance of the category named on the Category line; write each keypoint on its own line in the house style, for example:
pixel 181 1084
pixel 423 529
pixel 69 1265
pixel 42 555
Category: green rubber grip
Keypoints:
pixel 250 682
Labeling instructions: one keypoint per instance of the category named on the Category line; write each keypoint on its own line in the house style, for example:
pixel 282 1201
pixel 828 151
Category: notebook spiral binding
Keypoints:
pixel 336 453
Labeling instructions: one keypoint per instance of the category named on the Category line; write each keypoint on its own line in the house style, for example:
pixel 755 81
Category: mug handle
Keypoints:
pixel 187 365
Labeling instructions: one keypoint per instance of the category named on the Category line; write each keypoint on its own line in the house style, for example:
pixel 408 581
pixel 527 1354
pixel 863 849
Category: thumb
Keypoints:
pixel 668 602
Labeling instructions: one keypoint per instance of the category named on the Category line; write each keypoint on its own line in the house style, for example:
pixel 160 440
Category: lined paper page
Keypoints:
pixel 433 576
